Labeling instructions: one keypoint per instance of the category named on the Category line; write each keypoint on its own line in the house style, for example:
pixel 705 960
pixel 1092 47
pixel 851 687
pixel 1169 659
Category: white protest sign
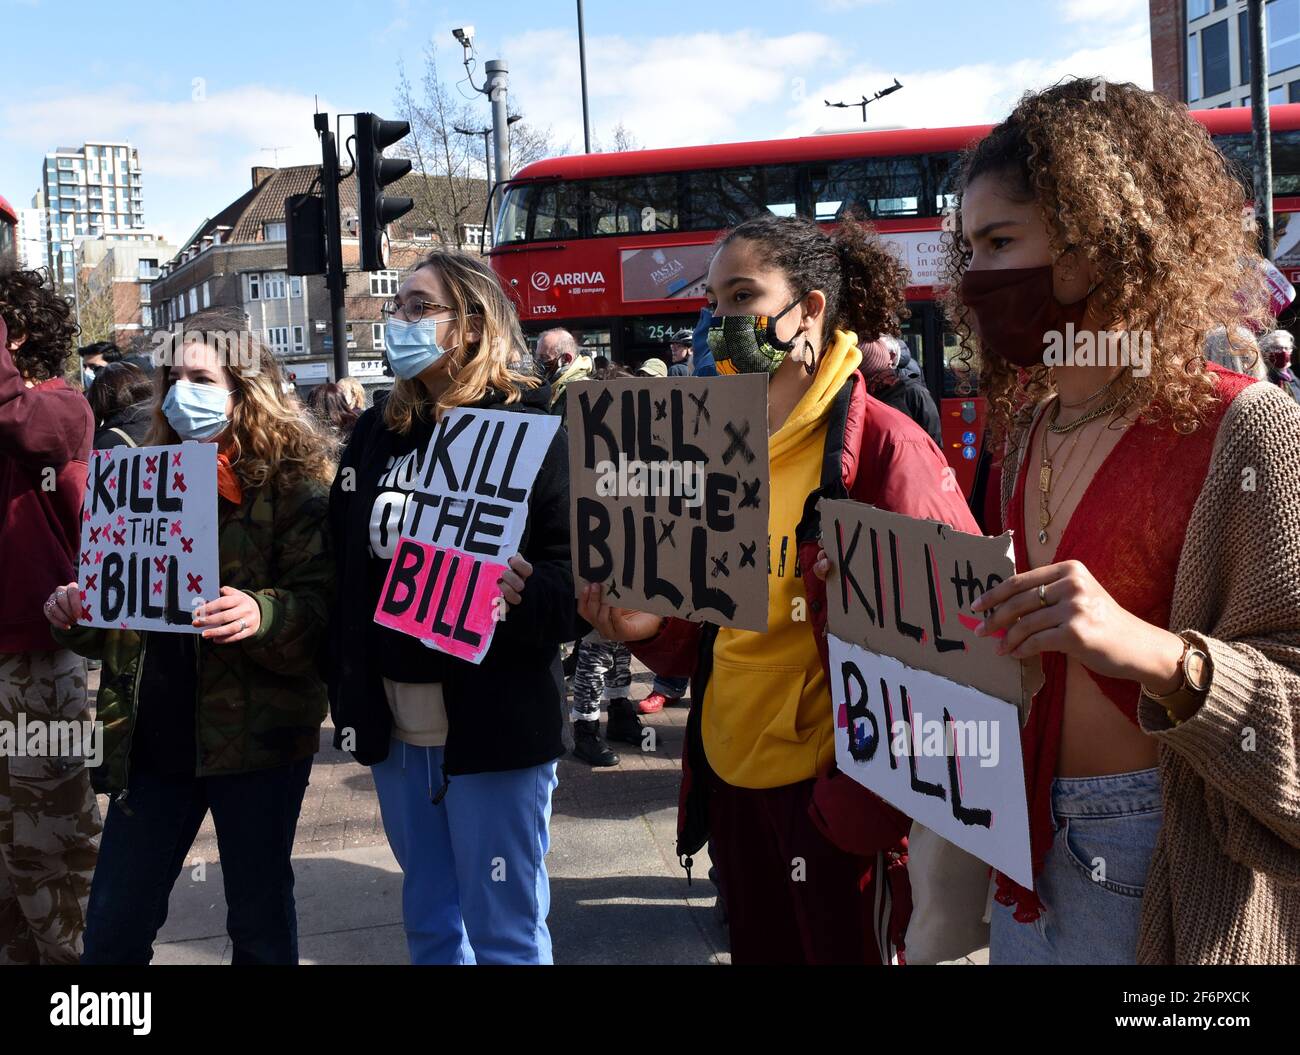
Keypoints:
pixel 462 521
pixel 148 552
pixel 945 754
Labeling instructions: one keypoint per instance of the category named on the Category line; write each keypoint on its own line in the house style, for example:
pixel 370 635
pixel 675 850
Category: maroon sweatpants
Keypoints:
pixel 792 897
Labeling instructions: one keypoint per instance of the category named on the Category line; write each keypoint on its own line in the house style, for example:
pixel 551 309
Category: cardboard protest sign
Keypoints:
pixel 463 520
pixel 669 495
pixel 945 754
pixel 903 587
pixel 148 552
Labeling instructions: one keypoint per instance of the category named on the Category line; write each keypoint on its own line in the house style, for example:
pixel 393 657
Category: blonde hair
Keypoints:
pixel 355 393
pixel 272 438
pixel 490 362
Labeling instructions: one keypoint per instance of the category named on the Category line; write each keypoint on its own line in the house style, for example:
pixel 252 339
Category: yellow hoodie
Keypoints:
pixel 767 709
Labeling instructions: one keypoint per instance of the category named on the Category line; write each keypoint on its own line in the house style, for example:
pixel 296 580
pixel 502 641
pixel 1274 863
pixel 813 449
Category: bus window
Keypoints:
pixel 725 197
pixel 512 223
pixel 876 187
pixel 555 211
pixel 626 204
pixel 1286 160
pixel 943 173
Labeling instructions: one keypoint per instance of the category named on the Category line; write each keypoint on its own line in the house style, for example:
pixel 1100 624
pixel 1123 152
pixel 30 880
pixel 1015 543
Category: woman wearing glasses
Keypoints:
pixel 463 755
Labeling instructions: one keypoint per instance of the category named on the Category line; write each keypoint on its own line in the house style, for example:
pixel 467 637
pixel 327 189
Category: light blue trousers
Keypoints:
pixel 475 888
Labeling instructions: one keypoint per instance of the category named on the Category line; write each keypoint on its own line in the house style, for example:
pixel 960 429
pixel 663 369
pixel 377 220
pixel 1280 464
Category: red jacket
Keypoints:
pixel 873 454
pixel 45 434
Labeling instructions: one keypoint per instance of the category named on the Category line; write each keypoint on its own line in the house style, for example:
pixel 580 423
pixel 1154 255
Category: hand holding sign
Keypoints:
pixel 232 617
pixel 514 579
pixel 616 624
pixel 1062 608
pixel 63 608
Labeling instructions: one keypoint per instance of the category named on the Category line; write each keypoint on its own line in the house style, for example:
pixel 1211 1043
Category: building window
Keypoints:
pixel 376 335
pixel 254 286
pixel 383 283
pixel 298 339
pixel 1282 21
pixel 1193 68
pixel 273 285
pixel 207 298
pixel 1216 74
pixel 148 268
pixel 180 307
pixel 295 285
pixel 475 235
pixel 273 232
pixel 146 316
pixel 194 299
pixel 277 337
pixel 145 290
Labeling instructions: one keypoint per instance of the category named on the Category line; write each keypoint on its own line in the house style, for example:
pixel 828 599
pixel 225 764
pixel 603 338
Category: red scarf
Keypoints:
pixel 1128 531
pixel 228 485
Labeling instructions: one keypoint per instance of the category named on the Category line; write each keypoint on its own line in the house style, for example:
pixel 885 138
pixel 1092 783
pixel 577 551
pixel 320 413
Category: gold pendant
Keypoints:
pixel 1042 537
pixel 1045 477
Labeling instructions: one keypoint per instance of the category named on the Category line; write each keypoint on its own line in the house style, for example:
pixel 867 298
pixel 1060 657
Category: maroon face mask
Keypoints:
pixel 1014 310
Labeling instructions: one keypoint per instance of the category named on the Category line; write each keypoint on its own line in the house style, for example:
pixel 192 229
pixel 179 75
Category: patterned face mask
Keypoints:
pixel 748 344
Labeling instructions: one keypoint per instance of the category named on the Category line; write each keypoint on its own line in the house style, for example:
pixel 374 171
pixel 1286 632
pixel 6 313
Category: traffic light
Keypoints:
pixel 304 232
pixel 374 172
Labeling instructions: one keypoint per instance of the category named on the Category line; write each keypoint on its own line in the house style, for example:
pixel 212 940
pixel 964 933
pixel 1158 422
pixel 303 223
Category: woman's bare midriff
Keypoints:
pixel 1096 738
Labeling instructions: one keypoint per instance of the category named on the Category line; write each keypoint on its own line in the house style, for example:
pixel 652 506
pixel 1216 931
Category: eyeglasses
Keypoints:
pixel 414 310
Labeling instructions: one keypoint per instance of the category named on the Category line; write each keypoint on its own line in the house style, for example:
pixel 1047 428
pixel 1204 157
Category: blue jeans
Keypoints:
pixel 147 839
pixel 474 887
pixel 673 688
pixel 1092 881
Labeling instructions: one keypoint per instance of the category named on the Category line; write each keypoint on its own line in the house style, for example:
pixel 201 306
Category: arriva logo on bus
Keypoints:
pixel 542 281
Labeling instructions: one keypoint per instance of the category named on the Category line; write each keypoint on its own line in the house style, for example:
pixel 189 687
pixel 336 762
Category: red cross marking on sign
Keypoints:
pixel 195 584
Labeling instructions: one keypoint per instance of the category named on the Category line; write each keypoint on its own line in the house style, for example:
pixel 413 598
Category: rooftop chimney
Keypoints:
pixel 261 173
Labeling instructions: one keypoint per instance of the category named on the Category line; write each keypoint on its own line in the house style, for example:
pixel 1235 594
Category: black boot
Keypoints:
pixel 588 746
pixel 623 725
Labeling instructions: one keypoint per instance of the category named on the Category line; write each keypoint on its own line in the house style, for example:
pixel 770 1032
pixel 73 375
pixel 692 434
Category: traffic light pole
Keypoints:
pixel 335 281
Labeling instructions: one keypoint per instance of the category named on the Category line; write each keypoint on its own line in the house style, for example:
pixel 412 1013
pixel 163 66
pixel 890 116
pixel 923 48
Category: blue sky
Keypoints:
pixel 201 89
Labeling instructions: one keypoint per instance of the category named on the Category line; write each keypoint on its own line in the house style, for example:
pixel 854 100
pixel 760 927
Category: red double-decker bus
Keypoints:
pixel 615 247
pixel 8 234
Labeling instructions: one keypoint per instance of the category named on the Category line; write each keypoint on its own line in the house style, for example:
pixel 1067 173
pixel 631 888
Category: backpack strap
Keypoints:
pixel 121 432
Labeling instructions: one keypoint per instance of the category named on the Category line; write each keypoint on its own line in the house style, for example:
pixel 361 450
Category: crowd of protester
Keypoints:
pixel 1160 593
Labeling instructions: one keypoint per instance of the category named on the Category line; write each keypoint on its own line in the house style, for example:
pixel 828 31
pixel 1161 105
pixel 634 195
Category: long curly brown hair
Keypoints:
pixel 1136 184
pixel 43 320
pixel 274 438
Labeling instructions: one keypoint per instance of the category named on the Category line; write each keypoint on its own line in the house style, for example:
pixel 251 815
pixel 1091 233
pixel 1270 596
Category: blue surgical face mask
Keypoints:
pixel 195 411
pixel 412 347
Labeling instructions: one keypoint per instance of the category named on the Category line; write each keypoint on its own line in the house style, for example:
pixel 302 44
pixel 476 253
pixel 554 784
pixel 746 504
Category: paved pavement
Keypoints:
pixel 618 894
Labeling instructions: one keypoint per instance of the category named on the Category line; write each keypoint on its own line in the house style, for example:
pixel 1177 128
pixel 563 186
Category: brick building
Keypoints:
pixel 237 258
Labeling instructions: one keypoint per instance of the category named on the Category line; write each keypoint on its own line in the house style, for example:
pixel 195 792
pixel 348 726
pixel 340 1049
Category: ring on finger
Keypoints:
pixel 243 625
pixel 1042 596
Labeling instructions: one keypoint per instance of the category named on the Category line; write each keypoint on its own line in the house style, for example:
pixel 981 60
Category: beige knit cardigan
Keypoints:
pixel 1224 883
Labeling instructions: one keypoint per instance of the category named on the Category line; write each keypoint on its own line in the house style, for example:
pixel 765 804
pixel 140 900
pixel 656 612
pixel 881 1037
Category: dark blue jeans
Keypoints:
pixel 144 850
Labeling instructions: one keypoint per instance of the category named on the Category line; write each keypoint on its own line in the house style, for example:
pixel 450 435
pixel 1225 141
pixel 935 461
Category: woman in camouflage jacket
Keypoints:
pixel 228 719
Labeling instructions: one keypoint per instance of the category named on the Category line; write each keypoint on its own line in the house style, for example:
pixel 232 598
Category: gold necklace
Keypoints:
pixel 1088 399
pixel 1079 422
pixel 1045 515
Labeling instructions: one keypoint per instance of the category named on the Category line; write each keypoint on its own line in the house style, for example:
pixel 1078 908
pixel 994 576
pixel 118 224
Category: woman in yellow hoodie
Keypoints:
pixel 791 301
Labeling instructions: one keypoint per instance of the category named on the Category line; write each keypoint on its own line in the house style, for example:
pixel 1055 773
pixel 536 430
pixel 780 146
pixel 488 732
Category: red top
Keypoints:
pixel 1128 531
pixel 45 434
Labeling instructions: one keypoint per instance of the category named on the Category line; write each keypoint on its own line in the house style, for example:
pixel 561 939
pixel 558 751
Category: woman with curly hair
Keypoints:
pixel 226 720
pixel 1100 240
pixel 806 858
pixel 48 818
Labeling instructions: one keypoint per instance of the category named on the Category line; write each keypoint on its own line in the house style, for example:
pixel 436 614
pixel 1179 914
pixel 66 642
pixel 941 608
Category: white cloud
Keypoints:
pixel 1127 11
pixel 195 152
pixel 671 90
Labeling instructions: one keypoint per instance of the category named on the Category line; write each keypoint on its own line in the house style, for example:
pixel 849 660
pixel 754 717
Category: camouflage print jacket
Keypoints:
pixel 260 701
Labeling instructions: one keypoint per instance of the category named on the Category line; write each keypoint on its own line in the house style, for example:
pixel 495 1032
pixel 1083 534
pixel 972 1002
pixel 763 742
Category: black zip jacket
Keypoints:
pixel 508 711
